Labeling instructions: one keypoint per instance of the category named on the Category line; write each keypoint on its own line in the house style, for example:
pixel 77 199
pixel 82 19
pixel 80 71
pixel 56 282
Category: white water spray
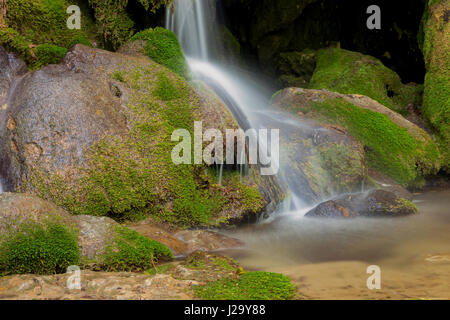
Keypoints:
pixel 243 95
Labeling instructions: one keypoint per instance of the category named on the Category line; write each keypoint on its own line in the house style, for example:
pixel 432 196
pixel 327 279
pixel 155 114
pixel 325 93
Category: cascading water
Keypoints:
pixel 194 25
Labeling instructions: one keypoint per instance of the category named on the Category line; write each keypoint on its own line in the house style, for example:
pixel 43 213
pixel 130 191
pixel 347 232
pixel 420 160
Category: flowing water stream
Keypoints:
pixel 326 258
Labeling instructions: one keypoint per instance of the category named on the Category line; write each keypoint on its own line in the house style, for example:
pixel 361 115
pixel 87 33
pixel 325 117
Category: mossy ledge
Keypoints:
pixel 406 154
pixel 350 72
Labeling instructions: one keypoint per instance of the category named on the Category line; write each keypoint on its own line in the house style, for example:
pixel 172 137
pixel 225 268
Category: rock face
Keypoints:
pixel 93 135
pixel 377 203
pixel 319 161
pixel 393 145
pixel 96 286
pixel 435 47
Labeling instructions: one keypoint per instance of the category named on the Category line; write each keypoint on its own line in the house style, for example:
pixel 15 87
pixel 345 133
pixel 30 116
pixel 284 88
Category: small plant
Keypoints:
pixel 249 286
pixel 49 54
pixel 117 75
pixel 39 249
pixel 130 251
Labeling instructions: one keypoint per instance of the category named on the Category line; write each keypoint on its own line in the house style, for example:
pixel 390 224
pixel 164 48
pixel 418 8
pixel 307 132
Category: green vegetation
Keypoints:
pixel 114 26
pixel 163 47
pixel 130 251
pixel 434 39
pixel 403 206
pixel 49 54
pixel 133 176
pixel 40 23
pixel 350 72
pixel 33 248
pixel 249 286
pixel 390 149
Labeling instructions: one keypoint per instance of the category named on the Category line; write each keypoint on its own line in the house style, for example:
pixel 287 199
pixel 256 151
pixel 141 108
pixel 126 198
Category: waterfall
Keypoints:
pixel 194 23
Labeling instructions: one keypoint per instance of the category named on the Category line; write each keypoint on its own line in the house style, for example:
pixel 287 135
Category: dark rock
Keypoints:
pixel 376 203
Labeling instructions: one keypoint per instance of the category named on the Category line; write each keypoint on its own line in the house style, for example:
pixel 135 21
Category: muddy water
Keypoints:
pixel 328 259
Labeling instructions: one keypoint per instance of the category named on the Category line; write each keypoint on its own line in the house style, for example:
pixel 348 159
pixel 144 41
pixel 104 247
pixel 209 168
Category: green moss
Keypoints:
pixel 249 286
pixel 350 72
pixel 32 248
pixel 14 42
pixel 390 149
pixel 49 54
pixel 42 21
pixel 165 89
pixel 163 47
pixel 37 23
pixel 117 75
pixel 130 251
pixel 404 205
pixel 436 100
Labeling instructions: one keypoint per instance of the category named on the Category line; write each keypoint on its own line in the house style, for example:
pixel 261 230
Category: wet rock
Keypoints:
pixel 151 231
pixel 87 134
pixel 376 203
pixel 96 286
pixel 200 240
pixel 394 146
pixel 184 242
pixel 94 233
pixel 204 267
pixel 318 160
pixel 380 181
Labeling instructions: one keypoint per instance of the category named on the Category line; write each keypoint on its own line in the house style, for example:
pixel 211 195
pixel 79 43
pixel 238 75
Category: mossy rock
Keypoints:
pixel 32 248
pixel 162 46
pixel 350 72
pixel 40 238
pixel 130 251
pixel 120 112
pixel 393 145
pixel 249 286
pixel 374 204
pixel 28 23
pixel 436 50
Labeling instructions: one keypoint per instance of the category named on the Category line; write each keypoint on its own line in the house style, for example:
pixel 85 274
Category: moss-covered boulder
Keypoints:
pixel 393 145
pixel 436 49
pixel 317 161
pixel 376 203
pixel 160 45
pixel 27 25
pixel 93 135
pixel 350 72
pixel 39 237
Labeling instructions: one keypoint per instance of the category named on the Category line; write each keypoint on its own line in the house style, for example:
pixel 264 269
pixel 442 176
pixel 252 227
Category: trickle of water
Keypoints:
pixel 244 95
